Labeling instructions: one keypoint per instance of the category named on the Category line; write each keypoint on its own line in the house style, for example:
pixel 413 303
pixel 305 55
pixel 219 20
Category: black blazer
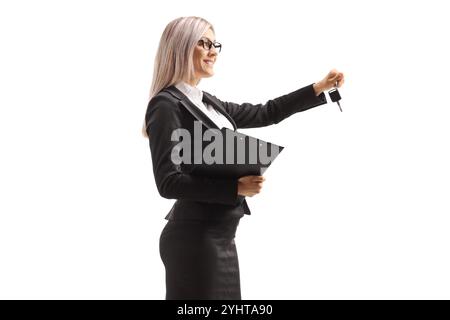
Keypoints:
pixel 200 197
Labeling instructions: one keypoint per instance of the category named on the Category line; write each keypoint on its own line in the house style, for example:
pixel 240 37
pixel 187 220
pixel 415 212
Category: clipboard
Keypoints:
pixel 241 155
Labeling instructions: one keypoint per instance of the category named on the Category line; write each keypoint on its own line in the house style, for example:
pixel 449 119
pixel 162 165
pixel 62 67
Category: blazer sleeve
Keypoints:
pixel 163 116
pixel 247 115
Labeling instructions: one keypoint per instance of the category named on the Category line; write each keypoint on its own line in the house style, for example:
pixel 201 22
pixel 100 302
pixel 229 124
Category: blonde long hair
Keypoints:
pixel 174 57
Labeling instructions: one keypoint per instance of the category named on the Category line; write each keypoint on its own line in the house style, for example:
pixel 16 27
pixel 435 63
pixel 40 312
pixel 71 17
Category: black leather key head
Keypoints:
pixel 334 95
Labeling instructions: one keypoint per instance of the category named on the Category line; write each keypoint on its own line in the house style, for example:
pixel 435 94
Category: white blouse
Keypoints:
pixel 195 95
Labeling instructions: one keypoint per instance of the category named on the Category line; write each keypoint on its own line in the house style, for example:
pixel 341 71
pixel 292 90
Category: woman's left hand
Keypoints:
pixel 329 81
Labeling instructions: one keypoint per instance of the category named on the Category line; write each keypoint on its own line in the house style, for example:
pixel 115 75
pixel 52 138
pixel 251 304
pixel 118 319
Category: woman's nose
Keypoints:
pixel 212 51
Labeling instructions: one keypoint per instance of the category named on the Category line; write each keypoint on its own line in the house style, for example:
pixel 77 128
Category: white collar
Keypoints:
pixel 190 91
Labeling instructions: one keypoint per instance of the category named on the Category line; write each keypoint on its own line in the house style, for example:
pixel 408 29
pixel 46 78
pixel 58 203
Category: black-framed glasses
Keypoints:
pixel 208 44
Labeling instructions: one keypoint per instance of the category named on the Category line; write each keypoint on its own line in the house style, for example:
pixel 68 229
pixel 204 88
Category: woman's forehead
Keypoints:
pixel 207 38
pixel 209 34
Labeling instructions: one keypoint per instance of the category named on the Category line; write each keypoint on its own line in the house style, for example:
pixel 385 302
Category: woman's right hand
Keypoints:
pixel 248 186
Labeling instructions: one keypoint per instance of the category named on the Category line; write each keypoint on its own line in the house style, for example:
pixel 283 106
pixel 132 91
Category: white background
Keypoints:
pixel 356 206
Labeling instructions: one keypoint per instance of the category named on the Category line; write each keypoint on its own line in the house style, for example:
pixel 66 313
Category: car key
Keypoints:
pixel 335 96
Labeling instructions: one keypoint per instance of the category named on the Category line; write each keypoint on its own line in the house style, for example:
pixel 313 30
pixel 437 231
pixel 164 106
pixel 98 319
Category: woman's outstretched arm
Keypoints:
pixel 247 115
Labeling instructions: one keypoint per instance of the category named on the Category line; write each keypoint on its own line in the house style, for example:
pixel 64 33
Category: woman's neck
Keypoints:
pixel 193 82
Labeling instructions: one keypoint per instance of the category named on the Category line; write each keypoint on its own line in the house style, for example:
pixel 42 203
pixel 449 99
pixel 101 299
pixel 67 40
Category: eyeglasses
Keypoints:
pixel 207 44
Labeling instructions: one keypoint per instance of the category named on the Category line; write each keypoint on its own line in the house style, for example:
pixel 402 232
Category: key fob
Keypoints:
pixel 334 95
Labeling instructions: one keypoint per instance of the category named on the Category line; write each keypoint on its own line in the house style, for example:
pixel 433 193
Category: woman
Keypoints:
pixel 197 244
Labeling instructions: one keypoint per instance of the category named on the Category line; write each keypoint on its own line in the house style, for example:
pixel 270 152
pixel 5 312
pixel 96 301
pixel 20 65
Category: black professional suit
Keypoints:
pixel 203 220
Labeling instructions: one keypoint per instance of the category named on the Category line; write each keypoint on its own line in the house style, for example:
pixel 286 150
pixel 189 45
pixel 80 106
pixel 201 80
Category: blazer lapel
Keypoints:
pixel 207 98
pixel 195 111
pixel 192 108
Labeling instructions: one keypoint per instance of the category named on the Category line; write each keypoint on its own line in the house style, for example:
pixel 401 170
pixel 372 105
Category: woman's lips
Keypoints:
pixel 209 62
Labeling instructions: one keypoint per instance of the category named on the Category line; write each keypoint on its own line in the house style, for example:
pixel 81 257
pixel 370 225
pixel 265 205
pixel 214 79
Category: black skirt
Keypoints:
pixel 200 259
